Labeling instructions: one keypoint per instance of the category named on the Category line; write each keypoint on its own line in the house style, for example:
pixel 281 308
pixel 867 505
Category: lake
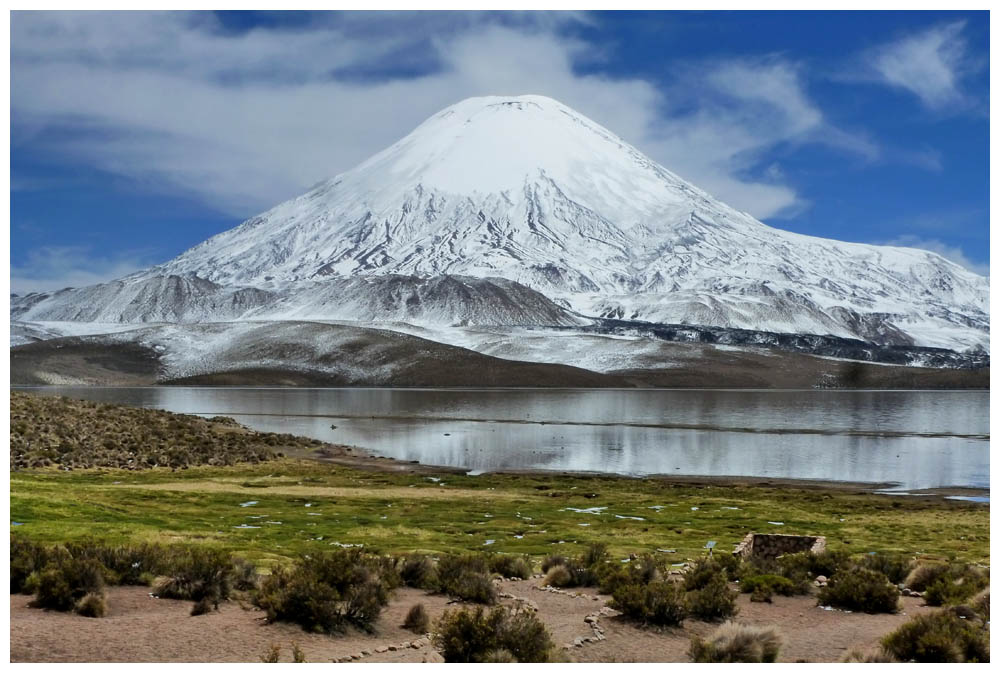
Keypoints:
pixel 912 439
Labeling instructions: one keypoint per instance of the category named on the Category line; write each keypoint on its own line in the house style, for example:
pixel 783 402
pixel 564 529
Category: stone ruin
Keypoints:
pixel 769 546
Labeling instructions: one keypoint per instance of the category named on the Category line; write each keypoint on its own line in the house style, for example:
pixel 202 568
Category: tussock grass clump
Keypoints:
pixel 871 656
pixel 500 656
pixel 476 636
pixel 330 591
pixel 92 605
pixel 714 601
pixel 272 654
pixel 418 571
pixel 417 619
pixel 737 643
pixel 862 590
pixel 980 603
pixel 657 603
pixel 507 565
pixel 585 570
pixel 939 637
pixel 466 576
pixel 558 576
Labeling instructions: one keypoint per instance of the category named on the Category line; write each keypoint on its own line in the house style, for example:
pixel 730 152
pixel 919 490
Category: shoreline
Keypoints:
pixel 359 458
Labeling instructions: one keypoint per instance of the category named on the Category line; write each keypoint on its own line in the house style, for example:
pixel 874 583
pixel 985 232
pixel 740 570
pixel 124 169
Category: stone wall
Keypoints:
pixel 765 545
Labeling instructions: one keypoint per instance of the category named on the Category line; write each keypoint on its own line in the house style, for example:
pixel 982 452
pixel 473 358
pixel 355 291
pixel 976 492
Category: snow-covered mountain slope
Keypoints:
pixel 441 300
pixel 527 189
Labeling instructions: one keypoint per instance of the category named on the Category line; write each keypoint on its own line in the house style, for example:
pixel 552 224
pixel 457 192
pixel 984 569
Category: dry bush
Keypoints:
pixel 658 603
pixel 467 577
pixel 558 576
pixel 417 619
pixel 473 635
pixel 418 571
pixel 862 590
pixel 924 574
pixel 714 601
pixel 960 582
pixel 329 591
pixel 737 643
pixel 271 655
pixel 939 637
pixel 92 605
pixel 506 565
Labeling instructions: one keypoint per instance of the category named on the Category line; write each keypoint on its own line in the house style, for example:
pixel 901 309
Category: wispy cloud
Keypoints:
pixel 245 120
pixel 49 268
pixel 930 64
pixel 950 252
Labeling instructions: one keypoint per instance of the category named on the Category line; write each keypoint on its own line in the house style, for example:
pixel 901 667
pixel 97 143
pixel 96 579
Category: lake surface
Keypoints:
pixel 913 439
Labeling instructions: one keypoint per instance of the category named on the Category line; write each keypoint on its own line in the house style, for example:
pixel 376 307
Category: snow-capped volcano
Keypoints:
pixel 527 189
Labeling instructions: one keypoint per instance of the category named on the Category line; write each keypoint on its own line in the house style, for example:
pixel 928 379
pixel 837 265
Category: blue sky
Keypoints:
pixel 137 135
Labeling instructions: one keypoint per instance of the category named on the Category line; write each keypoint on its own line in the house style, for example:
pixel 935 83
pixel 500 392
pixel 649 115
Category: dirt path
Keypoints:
pixel 141 628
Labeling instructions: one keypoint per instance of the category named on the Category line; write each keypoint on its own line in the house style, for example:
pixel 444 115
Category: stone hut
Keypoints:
pixel 769 546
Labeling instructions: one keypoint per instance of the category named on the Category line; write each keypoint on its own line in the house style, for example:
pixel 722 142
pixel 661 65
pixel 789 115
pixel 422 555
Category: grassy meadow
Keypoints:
pixel 279 509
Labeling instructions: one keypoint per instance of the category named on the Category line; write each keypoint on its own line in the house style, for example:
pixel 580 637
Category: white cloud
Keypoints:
pixel 929 64
pixel 949 252
pixel 243 121
pixel 51 268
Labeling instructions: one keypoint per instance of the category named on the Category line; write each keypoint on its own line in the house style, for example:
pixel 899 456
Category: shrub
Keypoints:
pixel 714 601
pixel 924 574
pixel 737 643
pixel 773 584
pixel 26 557
pixel 124 564
pixel 702 572
pixel 245 575
pixel 939 637
pixel 417 619
pixel 643 570
pixel 198 575
pixel 860 589
pixel 418 571
pixel 92 605
pixel 956 585
pixel 811 565
pixel 298 656
pixel 202 607
pixel 660 603
pixel 558 576
pixel 326 592
pixel 510 566
pixel 553 560
pixel 467 577
pixel 762 593
pixel 894 566
pixel 475 635
pixel 62 583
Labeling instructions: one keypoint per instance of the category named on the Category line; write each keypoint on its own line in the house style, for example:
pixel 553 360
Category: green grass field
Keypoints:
pixel 303 505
